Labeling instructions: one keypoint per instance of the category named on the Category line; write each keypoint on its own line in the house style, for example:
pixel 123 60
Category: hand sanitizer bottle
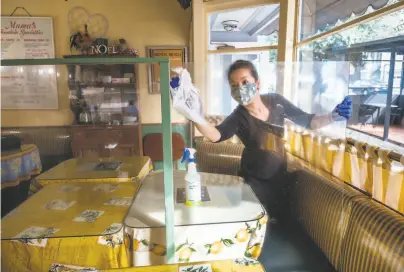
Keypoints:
pixel 192 178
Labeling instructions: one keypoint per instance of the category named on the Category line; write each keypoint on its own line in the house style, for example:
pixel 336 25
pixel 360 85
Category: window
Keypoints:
pixel 320 16
pixel 244 28
pixel 364 53
pixel 218 88
pixel 249 34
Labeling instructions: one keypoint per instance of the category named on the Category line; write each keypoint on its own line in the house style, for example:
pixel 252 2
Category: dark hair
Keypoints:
pixel 242 64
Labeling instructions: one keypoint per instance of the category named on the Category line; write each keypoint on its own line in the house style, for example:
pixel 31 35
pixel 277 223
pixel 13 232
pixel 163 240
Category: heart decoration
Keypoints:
pixel 97 24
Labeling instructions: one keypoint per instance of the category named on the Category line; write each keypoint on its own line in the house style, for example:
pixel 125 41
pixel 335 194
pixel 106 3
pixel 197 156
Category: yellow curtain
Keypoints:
pixel 373 164
pixel 275 144
pixel 317 151
pixel 356 167
pixel 331 156
pixel 335 156
pixel 308 147
pixel 370 171
pixel 388 180
pixel 296 142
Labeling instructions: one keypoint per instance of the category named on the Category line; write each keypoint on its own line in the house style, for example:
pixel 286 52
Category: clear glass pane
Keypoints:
pixel 78 127
pixel 148 208
pixel 368 48
pixel 358 39
pixel 219 101
pixel 369 80
pixel 242 28
pixel 366 82
pixel 318 16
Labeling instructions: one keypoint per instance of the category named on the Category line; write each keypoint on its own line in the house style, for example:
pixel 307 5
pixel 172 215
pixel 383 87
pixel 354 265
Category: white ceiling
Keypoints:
pixel 242 15
pixel 252 21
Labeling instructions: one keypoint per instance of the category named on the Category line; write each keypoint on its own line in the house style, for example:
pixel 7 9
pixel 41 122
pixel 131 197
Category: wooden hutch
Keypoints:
pixel 100 97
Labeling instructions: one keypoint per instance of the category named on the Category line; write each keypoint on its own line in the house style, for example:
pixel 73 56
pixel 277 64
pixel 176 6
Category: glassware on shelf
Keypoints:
pixel 77 73
pixel 106 118
pixel 85 117
pixel 95 116
pixel 131 114
pixel 89 75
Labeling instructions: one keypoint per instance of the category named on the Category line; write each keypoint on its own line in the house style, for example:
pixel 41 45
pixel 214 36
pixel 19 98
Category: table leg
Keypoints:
pixel 24 188
pixel 9 199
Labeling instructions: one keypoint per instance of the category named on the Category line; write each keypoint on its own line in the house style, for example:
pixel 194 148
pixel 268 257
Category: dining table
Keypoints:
pixel 378 107
pixel 18 167
pixel 236 265
pixel 75 223
pixel 109 169
pixel 230 222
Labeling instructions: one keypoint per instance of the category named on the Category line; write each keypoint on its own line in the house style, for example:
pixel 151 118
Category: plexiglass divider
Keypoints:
pixel 166 122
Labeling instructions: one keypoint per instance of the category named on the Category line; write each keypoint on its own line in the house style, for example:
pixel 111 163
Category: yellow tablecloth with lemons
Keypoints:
pixel 77 224
pixel 237 265
pixel 231 225
pixel 83 170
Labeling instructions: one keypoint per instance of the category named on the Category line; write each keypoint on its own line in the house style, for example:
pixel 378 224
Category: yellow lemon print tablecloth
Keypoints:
pixel 70 223
pixel 237 265
pixel 229 224
pixel 113 169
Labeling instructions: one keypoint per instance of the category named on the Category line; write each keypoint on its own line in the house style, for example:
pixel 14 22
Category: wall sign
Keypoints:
pixel 28 87
pixel 177 56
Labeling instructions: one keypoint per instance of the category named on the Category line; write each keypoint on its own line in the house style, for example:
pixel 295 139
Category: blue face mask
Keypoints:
pixel 244 94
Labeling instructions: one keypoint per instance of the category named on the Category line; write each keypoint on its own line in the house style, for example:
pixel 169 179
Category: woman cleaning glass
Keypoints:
pixel 263 170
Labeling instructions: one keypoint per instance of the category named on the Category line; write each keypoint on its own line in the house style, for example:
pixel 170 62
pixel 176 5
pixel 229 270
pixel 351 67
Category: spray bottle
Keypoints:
pixel 192 178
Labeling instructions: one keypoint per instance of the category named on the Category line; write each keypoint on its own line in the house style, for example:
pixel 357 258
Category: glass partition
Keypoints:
pixel 77 122
pixel 218 65
pixel 95 150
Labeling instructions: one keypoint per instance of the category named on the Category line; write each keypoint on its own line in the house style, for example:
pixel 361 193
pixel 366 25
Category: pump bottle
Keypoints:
pixel 192 179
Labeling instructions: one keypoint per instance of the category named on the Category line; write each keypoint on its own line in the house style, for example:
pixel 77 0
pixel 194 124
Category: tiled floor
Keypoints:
pixel 396 134
pixel 288 249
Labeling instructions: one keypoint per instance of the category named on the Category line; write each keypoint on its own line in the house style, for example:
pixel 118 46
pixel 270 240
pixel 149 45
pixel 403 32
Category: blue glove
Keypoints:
pixel 175 82
pixel 344 109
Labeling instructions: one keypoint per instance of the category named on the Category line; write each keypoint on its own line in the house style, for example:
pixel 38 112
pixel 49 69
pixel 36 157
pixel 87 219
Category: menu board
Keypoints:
pixel 28 87
pixel 177 56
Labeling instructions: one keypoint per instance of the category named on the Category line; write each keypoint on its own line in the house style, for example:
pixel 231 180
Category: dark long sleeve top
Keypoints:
pixel 241 123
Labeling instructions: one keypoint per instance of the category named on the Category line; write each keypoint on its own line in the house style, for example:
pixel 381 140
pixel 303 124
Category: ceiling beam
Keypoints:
pixel 234 36
pixel 213 18
pixel 256 13
pixel 310 7
pixel 271 28
pixel 267 21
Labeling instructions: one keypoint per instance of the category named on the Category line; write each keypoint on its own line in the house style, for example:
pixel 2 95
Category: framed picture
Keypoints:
pixel 176 54
pixel 28 87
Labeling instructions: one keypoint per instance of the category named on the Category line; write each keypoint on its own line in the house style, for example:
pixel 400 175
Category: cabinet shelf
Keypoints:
pixel 105 85
pixel 89 140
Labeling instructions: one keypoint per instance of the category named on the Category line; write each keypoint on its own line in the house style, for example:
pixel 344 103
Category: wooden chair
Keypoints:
pixel 153 147
pixel 366 113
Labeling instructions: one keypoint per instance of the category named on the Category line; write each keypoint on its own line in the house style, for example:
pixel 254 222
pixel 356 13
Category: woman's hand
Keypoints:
pixel 175 82
pixel 341 111
pixel 186 99
pixel 207 130
pixel 344 109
